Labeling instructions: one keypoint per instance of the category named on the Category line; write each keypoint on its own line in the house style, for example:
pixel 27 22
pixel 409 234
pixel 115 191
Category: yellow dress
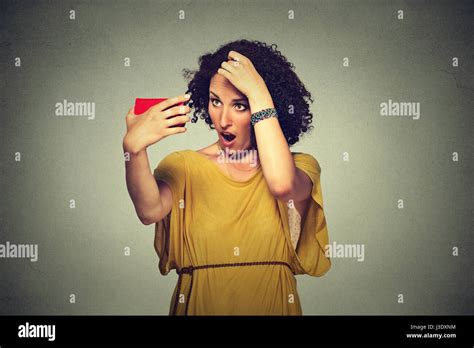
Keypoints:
pixel 230 240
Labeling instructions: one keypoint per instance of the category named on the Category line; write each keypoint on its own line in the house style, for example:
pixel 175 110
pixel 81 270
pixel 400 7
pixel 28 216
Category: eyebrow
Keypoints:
pixel 234 100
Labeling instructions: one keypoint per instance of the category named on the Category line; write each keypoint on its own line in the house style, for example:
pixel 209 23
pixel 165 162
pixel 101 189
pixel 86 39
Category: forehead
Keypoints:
pixel 224 88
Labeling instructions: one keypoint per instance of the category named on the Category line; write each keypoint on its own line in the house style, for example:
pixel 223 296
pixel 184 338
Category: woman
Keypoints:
pixel 230 225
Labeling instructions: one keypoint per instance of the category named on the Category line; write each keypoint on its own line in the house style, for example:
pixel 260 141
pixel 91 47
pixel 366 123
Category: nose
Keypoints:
pixel 225 118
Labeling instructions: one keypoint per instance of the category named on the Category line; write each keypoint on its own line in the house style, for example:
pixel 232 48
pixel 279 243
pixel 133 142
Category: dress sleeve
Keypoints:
pixel 169 235
pixel 314 233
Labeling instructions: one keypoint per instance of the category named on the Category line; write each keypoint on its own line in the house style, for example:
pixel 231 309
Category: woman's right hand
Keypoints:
pixel 155 124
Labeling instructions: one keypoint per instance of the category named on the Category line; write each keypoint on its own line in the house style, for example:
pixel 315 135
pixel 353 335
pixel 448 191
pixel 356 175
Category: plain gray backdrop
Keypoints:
pixel 408 251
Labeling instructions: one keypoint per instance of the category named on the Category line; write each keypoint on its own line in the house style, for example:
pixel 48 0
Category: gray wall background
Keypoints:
pixel 81 251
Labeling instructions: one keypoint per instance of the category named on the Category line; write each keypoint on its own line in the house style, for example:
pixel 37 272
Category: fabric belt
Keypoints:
pixel 190 269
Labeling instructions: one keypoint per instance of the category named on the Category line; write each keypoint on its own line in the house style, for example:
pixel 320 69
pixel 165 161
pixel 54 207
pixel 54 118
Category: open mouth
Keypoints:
pixel 228 137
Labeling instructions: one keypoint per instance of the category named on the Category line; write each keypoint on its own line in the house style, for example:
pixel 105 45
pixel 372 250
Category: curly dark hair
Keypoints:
pixel 288 92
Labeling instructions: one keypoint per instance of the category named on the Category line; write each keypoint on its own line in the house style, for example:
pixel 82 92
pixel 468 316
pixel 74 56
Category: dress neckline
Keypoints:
pixel 227 178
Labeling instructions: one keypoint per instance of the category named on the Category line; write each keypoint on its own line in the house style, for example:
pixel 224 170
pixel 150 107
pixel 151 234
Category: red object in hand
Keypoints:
pixel 143 104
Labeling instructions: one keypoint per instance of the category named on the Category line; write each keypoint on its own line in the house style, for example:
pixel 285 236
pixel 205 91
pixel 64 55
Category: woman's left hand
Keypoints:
pixel 239 70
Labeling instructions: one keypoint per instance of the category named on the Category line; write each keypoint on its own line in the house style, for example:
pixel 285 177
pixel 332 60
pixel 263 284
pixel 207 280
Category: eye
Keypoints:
pixel 242 105
pixel 214 100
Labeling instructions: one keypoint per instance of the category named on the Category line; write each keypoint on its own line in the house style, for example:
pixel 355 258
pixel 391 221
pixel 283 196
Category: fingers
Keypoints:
pixel 170 102
pixel 175 130
pixel 234 63
pixel 229 67
pixel 176 110
pixel 233 55
pixel 173 121
pixel 225 73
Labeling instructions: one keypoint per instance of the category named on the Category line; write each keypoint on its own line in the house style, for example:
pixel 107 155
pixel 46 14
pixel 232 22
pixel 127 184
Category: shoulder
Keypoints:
pixel 183 159
pixel 172 169
pixel 306 160
pixel 172 157
pixel 177 155
pixel 174 161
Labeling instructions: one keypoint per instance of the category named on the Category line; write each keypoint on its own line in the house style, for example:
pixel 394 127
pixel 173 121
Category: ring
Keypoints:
pixel 235 61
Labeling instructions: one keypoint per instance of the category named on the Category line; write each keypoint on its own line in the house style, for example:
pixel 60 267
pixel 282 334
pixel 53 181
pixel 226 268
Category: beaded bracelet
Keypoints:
pixel 263 114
